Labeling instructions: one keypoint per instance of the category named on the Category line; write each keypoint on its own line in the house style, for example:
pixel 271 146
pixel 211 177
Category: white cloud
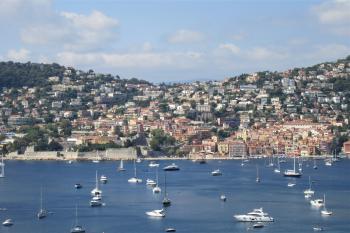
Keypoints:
pixel 21 55
pixel 185 36
pixel 334 11
pixel 230 47
pixel 262 53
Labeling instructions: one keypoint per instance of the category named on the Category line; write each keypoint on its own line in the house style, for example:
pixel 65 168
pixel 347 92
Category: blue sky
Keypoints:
pixel 168 40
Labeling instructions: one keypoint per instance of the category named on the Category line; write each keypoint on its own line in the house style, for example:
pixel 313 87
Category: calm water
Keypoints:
pixel 194 193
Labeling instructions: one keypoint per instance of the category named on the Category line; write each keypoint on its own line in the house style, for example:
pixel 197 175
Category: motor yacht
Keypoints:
pixel 171 167
pixel 7 223
pixel 216 172
pixel 156 213
pixel 257 215
pixel 103 179
pixel 153 164
pixel 134 180
pixel 151 182
pixel 317 202
pixel 95 202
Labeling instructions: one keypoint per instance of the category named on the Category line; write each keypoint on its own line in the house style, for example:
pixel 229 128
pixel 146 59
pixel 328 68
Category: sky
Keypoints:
pixel 175 40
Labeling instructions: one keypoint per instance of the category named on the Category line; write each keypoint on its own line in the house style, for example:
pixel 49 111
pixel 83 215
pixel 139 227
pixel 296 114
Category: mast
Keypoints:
pixel 41 198
pixel 294 163
pixel 165 193
pixel 134 169
pixel 76 214
pixel 157 175
pixel 309 183
pixel 2 167
pixel 96 180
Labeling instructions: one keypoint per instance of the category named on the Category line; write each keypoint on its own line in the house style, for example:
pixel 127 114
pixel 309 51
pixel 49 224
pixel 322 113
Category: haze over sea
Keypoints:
pixel 196 206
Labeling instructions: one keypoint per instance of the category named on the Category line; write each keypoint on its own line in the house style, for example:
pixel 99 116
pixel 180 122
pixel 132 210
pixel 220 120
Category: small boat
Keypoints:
pixel 170 229
pixel 257 215
pixel 309 190
pixel 138 160
pixel 291 184
pixel 42 212
pixel 325 211
pixel 258 225
pixel 216 172
pixel 135 179
pixel 317 203
pixel 121 166
pixel 317 228
pixel 171 167
pixel 328 163
pixel 223 197
pixel 103 179
pixel 7 223
pixel 156 213
pixel 95 161
pixel 78 186
pixel 96 202
pixel 151 182
pixel 69 161
pixel 153 164
pixel 315 165
pixel 156 189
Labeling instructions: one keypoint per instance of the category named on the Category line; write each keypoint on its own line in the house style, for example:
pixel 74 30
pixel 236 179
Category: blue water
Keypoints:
pixel 194 193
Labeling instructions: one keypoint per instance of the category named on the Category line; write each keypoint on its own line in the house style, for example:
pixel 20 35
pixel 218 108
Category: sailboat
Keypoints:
pixel 308 192
pixel 2 165
pixel 300 165
pixel 96 191
pixel 292 173
pixel 257 174
pixel 315 165
pixel 42 212
pixel 135 179
pixel 157 189
pixel 325 211
pixel 270 162
pixel 77 228
pixel 166 201
pixel 97 159
pixel 121 166
pixel 278 169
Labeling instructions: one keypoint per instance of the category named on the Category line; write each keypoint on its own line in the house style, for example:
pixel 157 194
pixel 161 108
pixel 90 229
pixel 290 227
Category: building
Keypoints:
pixel 237 149
pixel 346 147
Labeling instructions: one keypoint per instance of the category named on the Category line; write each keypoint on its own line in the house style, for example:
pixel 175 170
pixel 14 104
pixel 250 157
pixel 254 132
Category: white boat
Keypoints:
pixel 317 202
pixel 96 191
pixel 292 173
pixel 258 225
pixel 138 160
pixel 278 169
pixel 69 161
pixel 315 165
pixel 325 211
pixel 96 201
pixel 307 196
pixel 98 158
pixel 156 213
pixel 153 164
pixel 223 197
pixel 309 190
pixel 42 212
pixel 291 184
pixel 317 228
pixel 216 172
pixel 7 223
pixel 103 179
pixel 170 229
pixel 156 189
pixel 171 167
pixel 328 163
pixel 257 215
pixel 2 167
pixel 257 180
pixel 77 228
pixel 135 179
pixel 121 166
pixel 151 182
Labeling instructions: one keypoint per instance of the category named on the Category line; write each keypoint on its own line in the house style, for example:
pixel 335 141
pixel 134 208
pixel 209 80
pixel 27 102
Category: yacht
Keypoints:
pixel 223 197
pixel 153 164
pixel 328 163
pixel 171 167
pixel 42 212
pixel 317 228
pixel 317 202
pixel 135 179
pixel 292 173
pixel 257 215
pixel 77 228
pixel 170 229
pixel 121 166
pixel 291 184
pixel 96 201
pixel 166 201
pixel 308 195
pixel 96 191
pixel 325 211
pixel 103 179
pixel 156 189
pixel 7 223
pixel 156 213
pixel 138 160
pixel 216 172
pixel 309 190
pixel 151 182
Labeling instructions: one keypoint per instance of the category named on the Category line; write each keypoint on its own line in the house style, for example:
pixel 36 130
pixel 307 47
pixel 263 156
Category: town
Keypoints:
pixel 56 112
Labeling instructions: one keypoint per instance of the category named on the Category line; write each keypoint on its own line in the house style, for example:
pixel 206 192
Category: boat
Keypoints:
pixel 42 212
pixel 7 223
pixel 69 161
pixel 309 190
pixel 170 229
pixel 270 162
pixel 77 228
pixel 96 201
pixel 315 165
pixel 317 228
pixel 171 167
pixel 156 213
pixel 166 201
pixel 325 211
pixel 216 172
pixel 153 164
pixel 156 189
pixel 291 184
pixel 307 196
pixel 257 175
pixel 103 179
pixel 78 186
pixel 258 225
pixel 328 163
pixel 138 160
pixel 121 166
pixel 317 202
pixel 292 173
pixel 151 182
pixel 257 215
pixel 135 179
pixel 2 167
pixel 96 191
pixel 98 158
pixel 223 197
pixel 278 169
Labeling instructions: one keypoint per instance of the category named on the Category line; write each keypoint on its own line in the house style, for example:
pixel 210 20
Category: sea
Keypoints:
pixel 194 192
